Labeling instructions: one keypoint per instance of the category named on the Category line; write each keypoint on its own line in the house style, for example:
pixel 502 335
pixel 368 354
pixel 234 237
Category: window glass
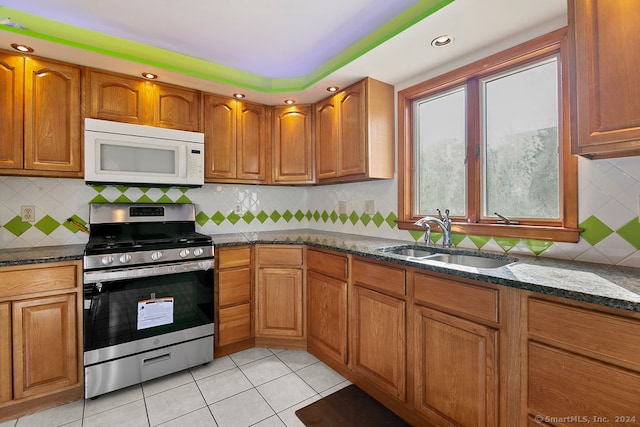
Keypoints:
pixel 439 142
pixel 520 167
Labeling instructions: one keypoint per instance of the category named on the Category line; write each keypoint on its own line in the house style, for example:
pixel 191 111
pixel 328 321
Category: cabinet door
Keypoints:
pixel 176 108
pixel 605 36
pixel 5 352
pixel 113 97
pixel 235 324
pixel 327 315
pixel 52 139
pixel 251 141
pixel 11 102
pixel 219 137
pixel 352 135
pixel 279 302
pixel 326 139
pixel 292 145
pixel 456 365
pixel 378 340
pixel 44 345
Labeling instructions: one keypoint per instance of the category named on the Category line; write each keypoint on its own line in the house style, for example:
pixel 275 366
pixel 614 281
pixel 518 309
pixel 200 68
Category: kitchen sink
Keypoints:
pixel 427 255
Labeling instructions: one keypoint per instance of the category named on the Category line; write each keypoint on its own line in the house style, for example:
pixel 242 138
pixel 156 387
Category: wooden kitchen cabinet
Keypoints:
pixel 355 133
pixel 41 111
pixel 581 360
pixel 604 69
pixel 377 326
pixel 327 287
pixel 280 294
pixel 292 145
pixel 40 313
pixel 130 100
pixel 236 137
pixel 233 300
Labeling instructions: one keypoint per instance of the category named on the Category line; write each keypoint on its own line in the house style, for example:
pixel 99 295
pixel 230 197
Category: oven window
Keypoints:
pixel 111 314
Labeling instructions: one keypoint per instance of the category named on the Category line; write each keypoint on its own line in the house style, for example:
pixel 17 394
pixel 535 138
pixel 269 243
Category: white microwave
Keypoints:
pixel 122 153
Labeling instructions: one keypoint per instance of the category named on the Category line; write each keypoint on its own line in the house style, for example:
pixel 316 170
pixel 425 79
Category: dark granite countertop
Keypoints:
pixel 608 285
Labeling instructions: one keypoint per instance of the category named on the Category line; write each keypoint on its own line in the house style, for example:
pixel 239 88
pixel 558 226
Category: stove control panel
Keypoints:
pixel 139 258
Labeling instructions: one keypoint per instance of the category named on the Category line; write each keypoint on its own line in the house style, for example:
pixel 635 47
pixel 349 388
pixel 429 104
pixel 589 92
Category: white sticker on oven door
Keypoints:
pixel 155 312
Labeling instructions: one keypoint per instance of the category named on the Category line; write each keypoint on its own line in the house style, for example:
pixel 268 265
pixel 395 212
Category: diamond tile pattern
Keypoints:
pixel 608 204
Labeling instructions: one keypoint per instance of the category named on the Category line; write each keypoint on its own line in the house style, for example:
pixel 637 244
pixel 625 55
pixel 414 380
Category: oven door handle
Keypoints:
pixel 148 271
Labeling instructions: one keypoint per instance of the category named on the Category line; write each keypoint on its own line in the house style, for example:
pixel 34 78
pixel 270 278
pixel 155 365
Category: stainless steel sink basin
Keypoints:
pixel 427 255
pixel 470 260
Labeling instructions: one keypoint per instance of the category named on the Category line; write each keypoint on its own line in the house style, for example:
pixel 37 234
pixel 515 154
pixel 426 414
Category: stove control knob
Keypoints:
pixel 197 252
pixel 156 255
pixel 106 260
pixel 124 258
pixel 184 253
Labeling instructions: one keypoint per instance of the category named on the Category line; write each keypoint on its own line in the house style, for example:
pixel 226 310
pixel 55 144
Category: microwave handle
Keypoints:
pixel 184 161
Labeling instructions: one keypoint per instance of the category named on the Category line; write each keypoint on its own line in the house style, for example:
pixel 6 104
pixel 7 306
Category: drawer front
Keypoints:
pixel 234 324
pixel 379 277
pixel 38 279
pixel 234 286
pixel 561 383
pixel 476 301
pixel 332 265
pixel 600 333
pixel 234 257
pixel 280 255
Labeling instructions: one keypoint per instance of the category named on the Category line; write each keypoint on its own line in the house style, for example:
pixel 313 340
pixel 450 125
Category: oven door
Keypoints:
pixel 136 310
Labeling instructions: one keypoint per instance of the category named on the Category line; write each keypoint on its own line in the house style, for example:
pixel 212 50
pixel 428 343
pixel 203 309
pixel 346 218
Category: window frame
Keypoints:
pixel 563 230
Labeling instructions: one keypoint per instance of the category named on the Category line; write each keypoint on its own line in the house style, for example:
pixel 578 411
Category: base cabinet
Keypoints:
pixel 456 366
pixel 233 300
pixel 280 293
pixel 40 337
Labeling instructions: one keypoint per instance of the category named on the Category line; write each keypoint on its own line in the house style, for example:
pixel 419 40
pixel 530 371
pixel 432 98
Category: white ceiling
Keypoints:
pixel 279 39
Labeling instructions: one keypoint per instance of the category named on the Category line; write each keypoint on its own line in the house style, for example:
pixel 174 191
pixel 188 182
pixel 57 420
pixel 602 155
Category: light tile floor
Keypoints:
pixel 257 387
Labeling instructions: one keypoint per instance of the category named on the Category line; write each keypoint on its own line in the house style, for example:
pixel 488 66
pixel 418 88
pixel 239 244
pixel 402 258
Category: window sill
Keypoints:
pixel 529 232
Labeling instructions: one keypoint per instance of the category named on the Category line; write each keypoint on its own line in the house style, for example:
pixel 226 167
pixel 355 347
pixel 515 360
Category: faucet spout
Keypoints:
pixel 444 224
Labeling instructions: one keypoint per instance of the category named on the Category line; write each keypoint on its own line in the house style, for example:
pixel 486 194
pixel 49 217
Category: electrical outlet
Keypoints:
pixel 342 207
pixel 237 208
pixel 28 213
pixel 370 207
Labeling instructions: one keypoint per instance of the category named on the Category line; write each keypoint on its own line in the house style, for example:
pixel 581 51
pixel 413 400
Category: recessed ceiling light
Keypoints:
pixel 150 76
pixel 333 88
pixel 238 95
pixel 440 41
pixel 289 101
pixel 22 47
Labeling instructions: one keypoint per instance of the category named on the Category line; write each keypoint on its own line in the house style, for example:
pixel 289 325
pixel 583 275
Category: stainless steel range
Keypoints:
pixel 148 294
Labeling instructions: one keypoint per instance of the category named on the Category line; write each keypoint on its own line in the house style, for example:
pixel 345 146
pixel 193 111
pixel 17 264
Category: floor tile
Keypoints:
pixel 297 359
pixel 112 400
pixel 335 388
pixel 225 384
pixel 133 414
pixel 10 423
pixel 174 403
pixel 264 370
pixel 250 355
pixel 158 385
pixel 320 377
pixel 285 392
pixel 289 417
pixel 273 421
pixel 54 417
pixel 241 410
pixel 218 365
pixel 200 418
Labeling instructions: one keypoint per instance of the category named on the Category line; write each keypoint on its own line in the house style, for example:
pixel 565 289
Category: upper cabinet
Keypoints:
pixel 604 68
pixel 236 136
pixel 355 133
pixel 138 101
pixel 292 145
pixel 40 112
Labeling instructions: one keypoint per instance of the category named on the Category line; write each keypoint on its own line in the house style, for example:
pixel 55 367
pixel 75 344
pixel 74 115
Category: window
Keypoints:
pixel 491 140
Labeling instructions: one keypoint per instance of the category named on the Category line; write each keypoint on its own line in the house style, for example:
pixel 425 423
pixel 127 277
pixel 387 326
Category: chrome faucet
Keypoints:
pixel 443 222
